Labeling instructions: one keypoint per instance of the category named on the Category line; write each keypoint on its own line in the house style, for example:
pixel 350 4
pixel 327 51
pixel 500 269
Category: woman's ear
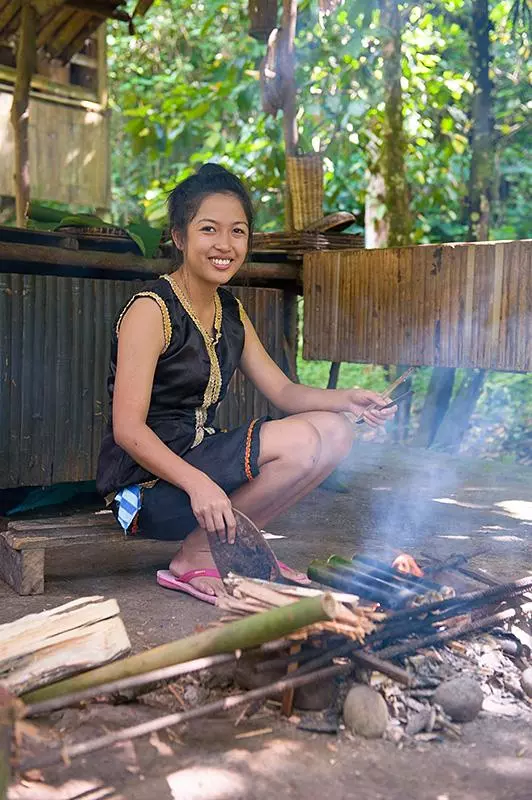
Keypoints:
pixel 178 240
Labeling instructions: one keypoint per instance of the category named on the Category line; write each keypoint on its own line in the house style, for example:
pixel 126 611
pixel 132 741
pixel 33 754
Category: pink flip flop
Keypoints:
pixel 299 577
pixel 169 581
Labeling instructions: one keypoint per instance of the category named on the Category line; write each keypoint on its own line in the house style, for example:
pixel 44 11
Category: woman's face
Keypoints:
pixel 217 239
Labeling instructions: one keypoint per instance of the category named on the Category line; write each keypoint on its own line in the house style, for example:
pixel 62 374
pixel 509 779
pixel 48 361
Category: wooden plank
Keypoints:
pixel 61 537
pixel 23 571
pixel 52 523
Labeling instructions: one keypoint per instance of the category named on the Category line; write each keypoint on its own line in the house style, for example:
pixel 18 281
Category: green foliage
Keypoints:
pixel 185 90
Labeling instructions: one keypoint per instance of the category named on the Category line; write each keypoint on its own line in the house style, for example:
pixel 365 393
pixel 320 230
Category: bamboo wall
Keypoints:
pixel 54 347
pixel 69 152
pixel 452 305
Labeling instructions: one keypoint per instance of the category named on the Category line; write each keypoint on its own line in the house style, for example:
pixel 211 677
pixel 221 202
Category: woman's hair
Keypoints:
pixel 185 200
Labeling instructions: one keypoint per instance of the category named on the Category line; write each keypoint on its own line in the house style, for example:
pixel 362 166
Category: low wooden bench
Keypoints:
pixel 23 544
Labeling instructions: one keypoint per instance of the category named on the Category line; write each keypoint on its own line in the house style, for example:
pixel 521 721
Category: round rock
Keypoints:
pixel 365 712
pixel 316 696
pixel 460 698
pixel 526 681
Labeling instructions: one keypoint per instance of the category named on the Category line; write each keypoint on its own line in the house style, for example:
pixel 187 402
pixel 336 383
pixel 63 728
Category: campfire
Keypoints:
pixel 403 650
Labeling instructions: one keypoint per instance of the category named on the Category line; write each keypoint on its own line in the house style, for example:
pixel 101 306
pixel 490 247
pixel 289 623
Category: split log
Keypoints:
pixel 40 648
pixel 240 635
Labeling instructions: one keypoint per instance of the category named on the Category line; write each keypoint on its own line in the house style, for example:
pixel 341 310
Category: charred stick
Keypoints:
pixel 57 755
pixel 470 599
pixel 405 648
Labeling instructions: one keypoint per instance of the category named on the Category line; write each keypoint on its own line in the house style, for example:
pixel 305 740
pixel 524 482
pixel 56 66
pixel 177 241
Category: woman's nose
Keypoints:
pixel 223 242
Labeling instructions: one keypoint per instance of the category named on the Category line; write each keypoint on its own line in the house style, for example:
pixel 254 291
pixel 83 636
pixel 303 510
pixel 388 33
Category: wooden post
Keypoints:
pixel 289 103
pixel 26 63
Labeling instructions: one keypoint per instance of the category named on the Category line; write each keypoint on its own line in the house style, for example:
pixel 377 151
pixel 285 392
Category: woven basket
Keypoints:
pixel 262 18
pixel 305 179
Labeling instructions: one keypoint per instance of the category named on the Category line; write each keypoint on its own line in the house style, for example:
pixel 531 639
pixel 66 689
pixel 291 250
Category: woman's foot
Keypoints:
pixel 195 554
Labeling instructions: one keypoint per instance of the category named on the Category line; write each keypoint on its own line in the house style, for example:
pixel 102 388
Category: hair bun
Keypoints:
pixel 212 170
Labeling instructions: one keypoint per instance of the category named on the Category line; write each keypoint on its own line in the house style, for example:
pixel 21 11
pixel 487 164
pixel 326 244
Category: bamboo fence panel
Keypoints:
pixel 69 152
pixel 451 305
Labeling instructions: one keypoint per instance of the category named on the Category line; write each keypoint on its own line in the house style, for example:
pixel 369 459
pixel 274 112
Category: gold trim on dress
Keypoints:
pixel 167 324
pixel 241 311
pixel 214 384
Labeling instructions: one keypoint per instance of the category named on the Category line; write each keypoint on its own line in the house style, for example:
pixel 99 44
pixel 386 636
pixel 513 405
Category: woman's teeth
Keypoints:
pixel 221 262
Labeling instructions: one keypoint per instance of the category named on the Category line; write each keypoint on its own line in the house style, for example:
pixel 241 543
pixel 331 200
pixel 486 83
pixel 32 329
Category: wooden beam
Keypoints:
pixel 72 31
pixel 100 9
pixel 103 87
pixel 26 64
pixel 45 86
pixel 8 13
pixel 43 7
pixel 43 260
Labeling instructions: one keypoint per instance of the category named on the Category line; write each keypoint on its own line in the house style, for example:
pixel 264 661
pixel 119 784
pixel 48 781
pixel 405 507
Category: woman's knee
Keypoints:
pixel 336 434
pixel 294 441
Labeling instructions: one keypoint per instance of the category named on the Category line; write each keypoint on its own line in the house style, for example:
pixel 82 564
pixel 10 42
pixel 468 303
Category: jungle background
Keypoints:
pixel 421 112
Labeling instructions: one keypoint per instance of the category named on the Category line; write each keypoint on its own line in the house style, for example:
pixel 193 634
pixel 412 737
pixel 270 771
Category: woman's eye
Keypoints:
pixel 240 231
pixel 207 228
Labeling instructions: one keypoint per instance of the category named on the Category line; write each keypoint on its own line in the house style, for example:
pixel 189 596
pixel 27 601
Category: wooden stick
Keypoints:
pixel 287 700
pixel 154 676
pixel 385 395
pixel 10 711
pixel 58 755
pixel 241 635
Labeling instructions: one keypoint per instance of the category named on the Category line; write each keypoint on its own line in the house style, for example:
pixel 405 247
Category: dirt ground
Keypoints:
pixel 397 498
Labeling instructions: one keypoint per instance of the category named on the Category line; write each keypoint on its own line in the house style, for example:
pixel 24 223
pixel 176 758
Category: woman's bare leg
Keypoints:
pixel 296 455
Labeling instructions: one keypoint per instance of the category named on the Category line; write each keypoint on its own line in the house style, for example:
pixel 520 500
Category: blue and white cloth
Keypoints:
pixel 129 501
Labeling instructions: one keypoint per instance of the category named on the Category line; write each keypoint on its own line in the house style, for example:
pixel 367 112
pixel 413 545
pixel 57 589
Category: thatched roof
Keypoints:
pixel 64 25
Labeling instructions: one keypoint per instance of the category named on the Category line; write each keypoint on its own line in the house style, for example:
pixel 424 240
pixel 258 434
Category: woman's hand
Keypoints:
pixel 212 508
pixel 367 404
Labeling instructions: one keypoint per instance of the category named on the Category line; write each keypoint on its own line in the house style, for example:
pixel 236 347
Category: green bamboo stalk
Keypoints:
pixel 243 634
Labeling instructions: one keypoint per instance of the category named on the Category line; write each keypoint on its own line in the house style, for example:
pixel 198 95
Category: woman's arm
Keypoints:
pixel 294 398
pixel 140 343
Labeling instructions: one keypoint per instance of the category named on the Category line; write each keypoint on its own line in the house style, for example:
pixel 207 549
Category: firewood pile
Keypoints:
pixel 411 674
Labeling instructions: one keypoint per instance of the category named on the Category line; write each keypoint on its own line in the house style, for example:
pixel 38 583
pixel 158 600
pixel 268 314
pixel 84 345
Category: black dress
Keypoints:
pixel 190 380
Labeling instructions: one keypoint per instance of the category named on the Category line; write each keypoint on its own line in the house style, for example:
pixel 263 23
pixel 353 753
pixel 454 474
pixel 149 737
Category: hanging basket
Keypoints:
pixel 305 181
pixel 262 18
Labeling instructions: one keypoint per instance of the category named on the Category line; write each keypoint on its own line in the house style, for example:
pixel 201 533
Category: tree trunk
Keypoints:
pixel 26 63
pixel 435 405
pixel 376 225
pixel 453 428
pixel 482 151
pixel 456 423
pixel 394 143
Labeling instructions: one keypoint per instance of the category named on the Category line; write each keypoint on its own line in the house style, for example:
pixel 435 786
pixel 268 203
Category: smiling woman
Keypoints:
pixel 164 467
